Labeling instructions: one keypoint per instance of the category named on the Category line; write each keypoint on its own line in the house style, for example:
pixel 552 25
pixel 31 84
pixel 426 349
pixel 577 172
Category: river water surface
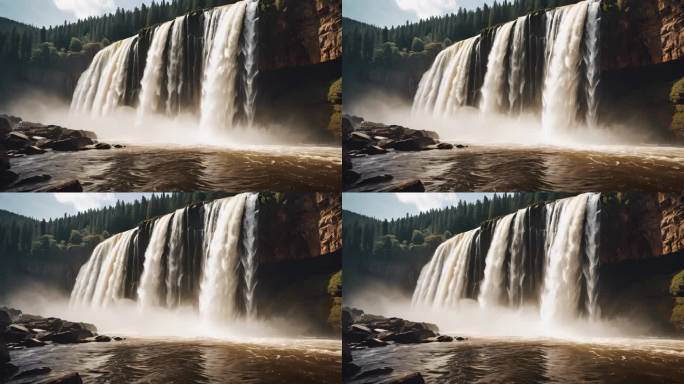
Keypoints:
pixel 156 361
pixel 521 168
pixel 535 361
pixel 175 168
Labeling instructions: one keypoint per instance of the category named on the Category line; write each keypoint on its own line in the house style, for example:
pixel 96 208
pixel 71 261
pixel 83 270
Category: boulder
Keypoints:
pixel 346 319
pixel 67 337
pixel 408 186
pixel 374 372
pixel 350 177
pixel 349 370
pixel 17 140
pixel 102 146
pixel 4 353
pixel 33 180
pixel 444 339
pixel 375 180
pixel 374 343
pixel 4 161
pixel 103 339
pixel 374 150
pixel 361 328
pixel 33 372
pixel 13 314
pixel 7 370
pixel 358 140
pixel 69 378
pixel 413 144
pixel 411 378
pixel 67 186
pixel 445 146
pixel 7 177
pixel 346 353
pixel 412 337
pixel 32 343
pixel 70 144
pixel 347 126
pixel 15 333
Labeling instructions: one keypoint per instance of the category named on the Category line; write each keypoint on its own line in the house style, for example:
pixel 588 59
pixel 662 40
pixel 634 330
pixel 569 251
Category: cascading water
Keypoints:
pixel 205 244
pixel 565 237
pixel 204 63
pixel 565 68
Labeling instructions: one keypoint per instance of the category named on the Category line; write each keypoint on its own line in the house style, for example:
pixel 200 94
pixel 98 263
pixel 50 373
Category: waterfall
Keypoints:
pixel 491 289
pixel 494 81
pixel 100 280
pixel 213 244
pixel 567 73
pixel 250 52
pixel 102 86
pixel 562 236
pixel 201 63
pixel 249 262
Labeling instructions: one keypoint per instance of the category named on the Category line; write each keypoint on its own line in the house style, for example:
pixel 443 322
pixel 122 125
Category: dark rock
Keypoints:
pixel 361 328
pixel 7 370
pixel 346 318
pixel 4 161
pixel 7 177
pixel 445 146
pixel 411 378
pixel 374 150
pixel 413 144
pixel 4 353
pixel 5 319
pixel 70 144
pixel 409 186
pixel 375 180
pixel 16 333
pixel 14 314
pixel 461 146
pixel 358 140
pixel 460 338
pixel 347 126
pixel 374 372
pixel 350 177
pixel 32 343
pixel 349 370
pixel 33 372
pixel 346 353
pixel 68 186
pixel 69 378
pixel 411 337
pixel 103 339
pixel 33 150
pixel 33 180
pixel 68 337
pixel 374 343
pixel 119 146
pixel 445 339
pixel 5 127
pixel 17 140
pixel 103 146
pixel 117 338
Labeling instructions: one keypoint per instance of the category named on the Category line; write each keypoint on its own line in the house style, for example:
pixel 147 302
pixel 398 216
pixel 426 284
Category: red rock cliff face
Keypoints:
pixel 299 32
pixel 642 32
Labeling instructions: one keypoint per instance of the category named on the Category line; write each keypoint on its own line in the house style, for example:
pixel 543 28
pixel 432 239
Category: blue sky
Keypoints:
pixel 396 205
pixel 393 12
pixel 54 205
pixel 51 12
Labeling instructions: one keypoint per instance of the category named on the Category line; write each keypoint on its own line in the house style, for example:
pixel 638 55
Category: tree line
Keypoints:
pixel 21 43
pixel 367 44
pixel 23 237
pixel 367 237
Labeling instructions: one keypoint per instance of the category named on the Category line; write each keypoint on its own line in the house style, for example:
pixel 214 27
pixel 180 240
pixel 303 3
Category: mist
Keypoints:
pixel 471 126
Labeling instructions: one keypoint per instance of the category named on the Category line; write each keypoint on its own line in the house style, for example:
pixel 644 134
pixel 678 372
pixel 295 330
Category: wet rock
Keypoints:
pixel 67 186
pixel 17 140
pixel 408 186
pixel 445 339
pixel 33 372
pixel 461 338
pixel 374 343
pixel 68 337
pixel 358 140
pixel 411 378
pixel 33 150
pixel 350 177
pixel 70 144
pixel 374 372
pixel 69 378
pixel 4 161
pixel 103 146
pixel 32 343
pixel 412 337
pixel 374 150
pixel 361 328
pixel 15 333
pixel 346 353
pixel 103 339
pixel 33 180
pixel 119 146
pixel 4 353
pixel 461 146
pixel 413 144
pixel 375 180
pixel 349 370
pixel 445 146
pixel 7 370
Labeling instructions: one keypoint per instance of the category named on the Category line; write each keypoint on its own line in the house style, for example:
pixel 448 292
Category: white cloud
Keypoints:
pixel 427 201
pixel 427 8
pixel 85 201
pixel 85 8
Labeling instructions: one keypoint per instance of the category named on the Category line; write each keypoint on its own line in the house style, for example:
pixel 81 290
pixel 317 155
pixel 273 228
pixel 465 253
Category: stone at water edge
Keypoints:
pixel 70 144
pixel 408 186
pixel 5 127
pixel 33 372
pixel 69 378
pixel 411 378
pixel 68 186
pixel 349 370
pixel 4 353
pixel 375 180
pixel 33 180
pixel 103 339
pixel 374 372
pixel 445 339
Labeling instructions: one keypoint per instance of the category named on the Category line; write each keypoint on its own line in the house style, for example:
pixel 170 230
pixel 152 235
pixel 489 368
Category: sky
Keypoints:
pixel 395 205
pixel 54 205
pixel 394 12
pixel 51 12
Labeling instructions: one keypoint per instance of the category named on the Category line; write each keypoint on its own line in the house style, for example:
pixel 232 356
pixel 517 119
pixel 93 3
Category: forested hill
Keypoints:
pixel 400 247
pixel 26 239
pixel 395 58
